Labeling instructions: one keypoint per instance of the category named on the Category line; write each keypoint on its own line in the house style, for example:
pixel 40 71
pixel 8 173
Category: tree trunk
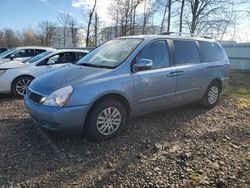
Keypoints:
pixel 89 23
pixel 64 36
pixel 169 14
pixel 194 15
pixel 163 18
pixel 96 27
pixel 181 15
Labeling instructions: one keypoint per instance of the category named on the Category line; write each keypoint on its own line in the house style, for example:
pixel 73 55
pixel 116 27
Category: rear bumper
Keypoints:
pixel 225 82
pixel 57 118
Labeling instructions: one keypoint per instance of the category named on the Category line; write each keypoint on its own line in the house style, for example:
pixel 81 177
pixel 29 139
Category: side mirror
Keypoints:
pixel 12 56
pixel 143 64
pixel 50 62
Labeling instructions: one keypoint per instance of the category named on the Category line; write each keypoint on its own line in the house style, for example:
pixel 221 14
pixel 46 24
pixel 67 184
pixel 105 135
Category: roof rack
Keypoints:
pixel 185 34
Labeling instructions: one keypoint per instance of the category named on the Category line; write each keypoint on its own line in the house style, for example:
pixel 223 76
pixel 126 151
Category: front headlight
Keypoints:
pixel 2 71
pixel 58 97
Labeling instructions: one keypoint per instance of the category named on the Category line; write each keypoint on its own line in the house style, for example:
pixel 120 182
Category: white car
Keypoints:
pixel 22 53
pixel 15 76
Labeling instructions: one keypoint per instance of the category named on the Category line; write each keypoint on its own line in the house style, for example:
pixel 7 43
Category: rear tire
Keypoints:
pixel 20 84
pixel 212 95
pixel 106 120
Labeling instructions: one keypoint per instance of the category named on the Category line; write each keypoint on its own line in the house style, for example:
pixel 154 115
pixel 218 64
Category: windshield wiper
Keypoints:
pixel 96 66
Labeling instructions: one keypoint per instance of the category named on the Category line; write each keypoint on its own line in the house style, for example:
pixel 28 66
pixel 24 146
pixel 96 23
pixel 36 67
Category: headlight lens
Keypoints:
pixel 58 97
pixel 2 72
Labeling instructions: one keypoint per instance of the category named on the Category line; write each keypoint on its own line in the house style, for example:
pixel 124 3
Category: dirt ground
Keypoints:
pixel 183 147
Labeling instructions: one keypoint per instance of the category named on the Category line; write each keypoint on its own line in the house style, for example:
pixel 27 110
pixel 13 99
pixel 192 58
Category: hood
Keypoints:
pixel 11 64
pixel 62 77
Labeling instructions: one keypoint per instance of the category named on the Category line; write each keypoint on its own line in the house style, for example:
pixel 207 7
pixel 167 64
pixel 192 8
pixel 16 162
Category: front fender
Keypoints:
pixel 89 92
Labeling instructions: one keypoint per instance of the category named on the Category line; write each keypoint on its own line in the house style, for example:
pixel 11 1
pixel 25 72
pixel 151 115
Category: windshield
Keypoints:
pixel 110 54
pixel 37 57
pixel 7 52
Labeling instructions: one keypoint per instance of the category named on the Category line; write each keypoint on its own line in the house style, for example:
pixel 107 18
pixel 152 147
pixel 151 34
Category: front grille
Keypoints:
pixel 35 97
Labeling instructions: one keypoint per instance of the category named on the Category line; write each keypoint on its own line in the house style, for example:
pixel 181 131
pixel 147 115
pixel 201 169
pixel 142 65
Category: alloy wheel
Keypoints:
pixel 213 95
pixel 21 86
pixel 108 121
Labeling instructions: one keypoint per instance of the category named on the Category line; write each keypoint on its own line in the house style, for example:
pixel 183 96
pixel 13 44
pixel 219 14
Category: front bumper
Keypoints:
pixel 5 84
pixel 57 118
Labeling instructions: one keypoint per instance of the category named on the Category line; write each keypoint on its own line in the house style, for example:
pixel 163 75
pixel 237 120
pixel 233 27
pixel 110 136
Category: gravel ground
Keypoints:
pixel 184 147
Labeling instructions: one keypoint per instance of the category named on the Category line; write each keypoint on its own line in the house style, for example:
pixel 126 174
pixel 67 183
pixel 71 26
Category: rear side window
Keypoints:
pixel 38 51
pixel 186 52
pixel 66 57
pixel 211 51
pixel 157 52
pixel 24 53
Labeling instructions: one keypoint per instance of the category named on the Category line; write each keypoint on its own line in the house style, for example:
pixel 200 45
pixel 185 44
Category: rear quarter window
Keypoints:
pixel 186 52
pixel 79 55
pixel 211 51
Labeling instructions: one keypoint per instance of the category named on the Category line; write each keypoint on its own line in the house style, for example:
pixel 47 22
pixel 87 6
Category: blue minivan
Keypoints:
pixel 127 77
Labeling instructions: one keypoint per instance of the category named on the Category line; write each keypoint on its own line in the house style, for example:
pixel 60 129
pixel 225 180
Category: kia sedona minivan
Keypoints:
pixel 127 77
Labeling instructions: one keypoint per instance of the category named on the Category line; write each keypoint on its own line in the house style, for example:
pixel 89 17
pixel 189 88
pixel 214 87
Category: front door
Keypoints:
pixel 154 88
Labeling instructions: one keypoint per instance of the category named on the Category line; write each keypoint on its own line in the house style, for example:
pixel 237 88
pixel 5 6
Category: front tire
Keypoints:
pixel 212 95
pixel 20 84
pixel 106 120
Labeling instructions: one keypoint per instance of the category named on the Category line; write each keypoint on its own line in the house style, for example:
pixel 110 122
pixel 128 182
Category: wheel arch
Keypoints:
pixel 115 96
pixel 219 81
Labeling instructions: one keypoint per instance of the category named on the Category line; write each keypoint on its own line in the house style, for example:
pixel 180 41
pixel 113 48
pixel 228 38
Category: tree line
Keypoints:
pixel 45 33
pixel 215 18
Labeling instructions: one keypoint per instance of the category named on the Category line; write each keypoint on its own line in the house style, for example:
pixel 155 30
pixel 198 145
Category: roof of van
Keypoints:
pixel 170 37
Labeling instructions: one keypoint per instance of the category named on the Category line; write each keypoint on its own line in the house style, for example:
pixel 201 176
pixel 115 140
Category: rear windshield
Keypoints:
pixel 211 51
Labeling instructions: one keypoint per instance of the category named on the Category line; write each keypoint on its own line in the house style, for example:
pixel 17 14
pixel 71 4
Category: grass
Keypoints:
pixel 237 92
pixel 241 94
pixel 195 177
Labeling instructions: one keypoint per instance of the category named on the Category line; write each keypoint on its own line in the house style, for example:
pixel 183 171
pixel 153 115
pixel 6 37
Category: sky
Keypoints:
pixel 23 14
pixel 20 14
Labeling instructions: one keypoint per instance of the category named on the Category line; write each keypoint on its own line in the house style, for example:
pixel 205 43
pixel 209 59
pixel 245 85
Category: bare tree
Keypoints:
pixel 124 14
pixel 46 32
pixel 72 24
pixel 63 19
pixel 167 7
pixel 148 12
pixel 89 23
pixel 201 10
pixel 28 37
pixel 9 38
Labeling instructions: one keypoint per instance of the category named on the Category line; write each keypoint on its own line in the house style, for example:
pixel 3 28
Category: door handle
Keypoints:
pixel 171 74
pixel 177 73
